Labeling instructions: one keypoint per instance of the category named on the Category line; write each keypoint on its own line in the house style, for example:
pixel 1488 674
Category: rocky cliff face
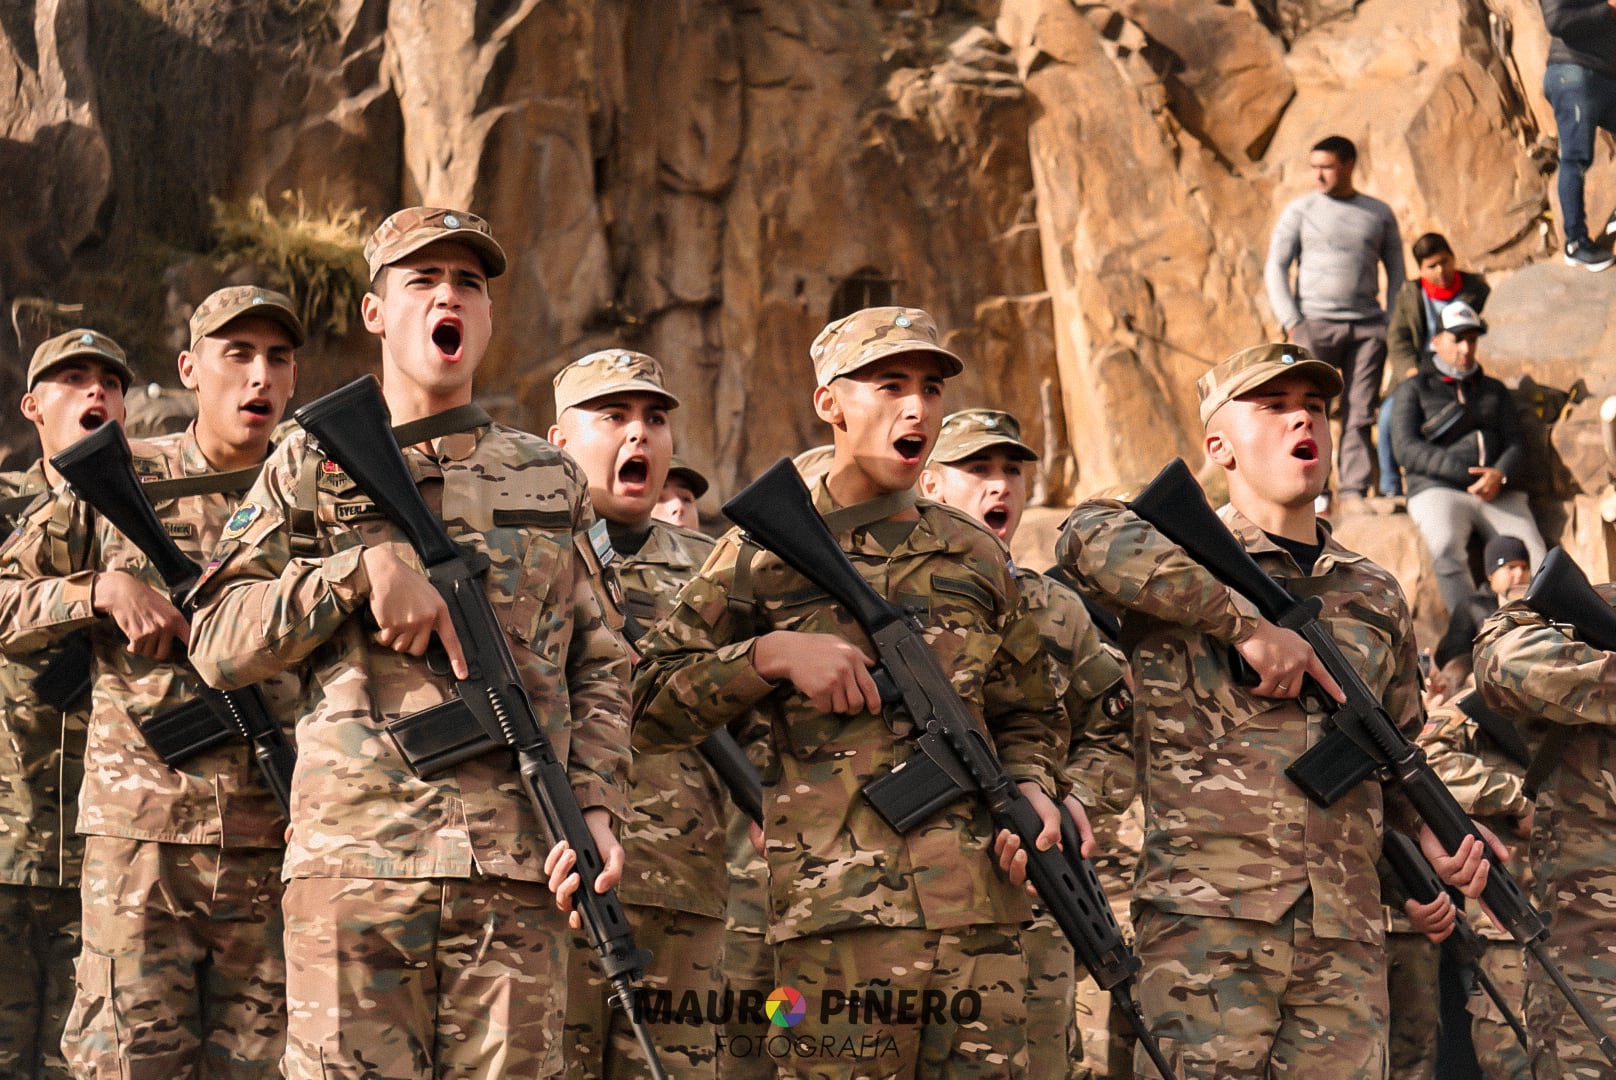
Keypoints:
pixel 1082 191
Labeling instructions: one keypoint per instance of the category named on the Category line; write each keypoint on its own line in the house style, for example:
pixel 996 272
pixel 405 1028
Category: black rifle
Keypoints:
pixel 98 466
pixel 955 757
pixel 729 762
pixel 492 709
pixel 1560 592
pixel 1362 739
pixel 1464 947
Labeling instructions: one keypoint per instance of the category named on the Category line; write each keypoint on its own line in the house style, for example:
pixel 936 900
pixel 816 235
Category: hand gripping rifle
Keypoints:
pixel 729 762
pixel 1361 739
pixel 1464 947
pixel 351 426
pixel 955 757
pixel 99 469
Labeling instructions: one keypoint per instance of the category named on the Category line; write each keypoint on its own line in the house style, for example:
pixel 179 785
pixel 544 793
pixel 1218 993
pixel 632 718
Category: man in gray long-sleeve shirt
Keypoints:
pixel 1337 237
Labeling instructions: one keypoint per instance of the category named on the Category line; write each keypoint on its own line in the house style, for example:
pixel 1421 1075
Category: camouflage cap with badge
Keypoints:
pixel 858 340
pixel 75 343
pixel 225 306
pixel 610 371
pixel 412 229
pixel 1250 368
pixel 972 431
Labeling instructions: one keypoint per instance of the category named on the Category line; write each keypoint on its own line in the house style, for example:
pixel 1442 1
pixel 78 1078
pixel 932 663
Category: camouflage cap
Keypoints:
pixel 80 342
pixel 413 229
pixel 858 340
pixel 610 371
pixel 687 476
pixel 1250 368
pixel 225 306
pixel 813 463
pixel 971 431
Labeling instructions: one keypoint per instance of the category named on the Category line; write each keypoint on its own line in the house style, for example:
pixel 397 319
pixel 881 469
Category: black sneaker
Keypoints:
pixel 1582 253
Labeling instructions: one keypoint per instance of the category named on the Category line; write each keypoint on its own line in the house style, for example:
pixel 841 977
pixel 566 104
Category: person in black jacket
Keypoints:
pixel 1580 82
pixel 1457 436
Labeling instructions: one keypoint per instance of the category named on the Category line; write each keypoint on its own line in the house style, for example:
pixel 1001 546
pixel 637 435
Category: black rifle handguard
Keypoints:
pixel 954 757
pixel 1176 506
pixel 101 471
pixel 352 427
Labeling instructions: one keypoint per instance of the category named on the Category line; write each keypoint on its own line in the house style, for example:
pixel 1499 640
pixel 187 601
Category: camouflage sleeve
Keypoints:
pixel 1029 728
pixel 597 690
pixel 1526 667
pixel 1117 556
pixel 1482 789
pixel 41 600
pixel 1100 763
pixel 694 675
pixel 259 611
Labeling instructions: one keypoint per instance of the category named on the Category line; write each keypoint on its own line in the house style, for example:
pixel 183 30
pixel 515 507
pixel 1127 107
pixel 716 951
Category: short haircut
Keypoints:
pixel 1339 145
pixel 1432 243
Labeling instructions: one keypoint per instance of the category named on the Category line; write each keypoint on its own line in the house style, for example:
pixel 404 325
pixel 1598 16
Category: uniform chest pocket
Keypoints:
pixel 524 581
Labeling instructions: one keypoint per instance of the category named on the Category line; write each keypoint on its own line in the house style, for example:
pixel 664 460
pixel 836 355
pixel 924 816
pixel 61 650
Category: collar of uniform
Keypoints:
pixel 1256 541
pixel 192 461
pixel 33 479
pixel 455 446
pixel 665 547
pixel 922 539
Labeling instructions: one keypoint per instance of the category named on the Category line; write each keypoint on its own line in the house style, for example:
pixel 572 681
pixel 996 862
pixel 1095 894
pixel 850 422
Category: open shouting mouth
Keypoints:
pixel 449 335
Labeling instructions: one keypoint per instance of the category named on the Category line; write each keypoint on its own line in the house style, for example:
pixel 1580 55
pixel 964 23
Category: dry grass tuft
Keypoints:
pixel 314 256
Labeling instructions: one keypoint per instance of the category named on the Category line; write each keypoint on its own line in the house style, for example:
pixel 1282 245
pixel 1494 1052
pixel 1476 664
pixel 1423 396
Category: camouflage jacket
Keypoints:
pixel 674 845
pixel 215 797
pixel 281 594
pixel 1544 678
pixel 1088 678
pixel 41 754
pixel 1485 781
pixel 833 863
pixel 1226 834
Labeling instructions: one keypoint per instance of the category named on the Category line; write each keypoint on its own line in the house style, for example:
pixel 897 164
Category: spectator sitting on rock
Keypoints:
pixel 1508 567
pixel 1338 237
pixel 1457 435
pixel 1414 322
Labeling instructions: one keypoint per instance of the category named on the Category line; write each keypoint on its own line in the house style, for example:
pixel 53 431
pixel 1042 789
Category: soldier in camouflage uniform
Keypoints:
pixel 1257 912
pixel 977 467
pixel 75 381
pixel 181 972
pixel 612 418
pixel 855 908
pixel 1557 688
pixel 419 940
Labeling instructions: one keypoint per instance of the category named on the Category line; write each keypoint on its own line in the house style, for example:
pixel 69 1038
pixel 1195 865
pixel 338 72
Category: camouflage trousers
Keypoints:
pixel 1232 998
pixel 37 950
pixel 1411 992
pixel 1054 1045
pixel 180 975
pixel 423 978
pixel 1500 1053
pixel 1561 1047
pixel 904 1003
pixel 682 983
pixel 748 973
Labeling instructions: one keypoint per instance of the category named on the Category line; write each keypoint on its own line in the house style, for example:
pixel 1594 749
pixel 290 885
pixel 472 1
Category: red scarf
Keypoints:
pixel 1437 293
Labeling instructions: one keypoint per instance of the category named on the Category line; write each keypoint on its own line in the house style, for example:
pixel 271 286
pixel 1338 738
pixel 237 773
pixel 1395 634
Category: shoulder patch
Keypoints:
pixel 240 522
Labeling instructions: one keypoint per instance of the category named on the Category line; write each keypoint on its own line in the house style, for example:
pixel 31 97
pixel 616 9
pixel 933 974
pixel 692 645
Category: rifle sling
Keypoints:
pixel 436 426
pixel 213 483
pixel 16 504
pixel 843 519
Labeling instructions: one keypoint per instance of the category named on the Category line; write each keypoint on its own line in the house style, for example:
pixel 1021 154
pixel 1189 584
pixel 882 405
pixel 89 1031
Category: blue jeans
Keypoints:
pixel 1584 101
pixel 1391 478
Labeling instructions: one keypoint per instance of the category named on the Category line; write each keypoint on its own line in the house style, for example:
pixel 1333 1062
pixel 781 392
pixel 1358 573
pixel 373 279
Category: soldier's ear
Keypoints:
pixel 928 484
pixel 826 407
pixel 1218 450
pixel 187 366
pixel 30 408
pixel 370 311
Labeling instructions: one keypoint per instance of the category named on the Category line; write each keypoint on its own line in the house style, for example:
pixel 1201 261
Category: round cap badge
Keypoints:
pixel 451 221
pixel 902 320
pixel 86 339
